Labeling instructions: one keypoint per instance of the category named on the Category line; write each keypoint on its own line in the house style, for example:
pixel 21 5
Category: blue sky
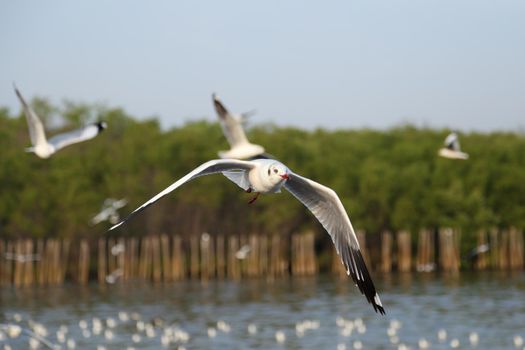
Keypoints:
pixel 350 64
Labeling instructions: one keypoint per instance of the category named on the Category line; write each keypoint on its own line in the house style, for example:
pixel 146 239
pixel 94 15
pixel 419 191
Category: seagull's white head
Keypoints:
pixel 277 173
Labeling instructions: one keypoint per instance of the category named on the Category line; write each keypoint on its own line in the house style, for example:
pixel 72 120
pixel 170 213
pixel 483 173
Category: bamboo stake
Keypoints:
pixel 404 251
pixel 166 259
pixel 64 260
pixel 221 262
pixel 40 267
pixel 504 250
pixel 494 249
pixel 178 259
pixel 111 259
pixel 2 264
pixel 19 266
pixel 134 258
pixel 194 256
pixel 386 251
pixel 205 256
pixel 83 262
pixel 426 260
pixel 480 262
pixel 263 255
pixel 157 267
pixel 233 267
pixel 253 256
pixel 29 271
pixel 101 261
pixel 515 249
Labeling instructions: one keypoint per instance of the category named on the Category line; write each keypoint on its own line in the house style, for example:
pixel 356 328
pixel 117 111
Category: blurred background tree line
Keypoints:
pixel 389 179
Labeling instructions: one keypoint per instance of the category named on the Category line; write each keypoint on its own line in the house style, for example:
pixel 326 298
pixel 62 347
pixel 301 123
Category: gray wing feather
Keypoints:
pixel 324 203
pixel 68 138
pixel 239 178
pixel 231 125
pixel 211 167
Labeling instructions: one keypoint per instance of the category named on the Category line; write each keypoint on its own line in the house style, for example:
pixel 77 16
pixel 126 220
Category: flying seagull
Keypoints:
pixel 45 148
pixel 232 127
pixel 452 149
pixel 109 211
pixel 269 176
pixel 242 253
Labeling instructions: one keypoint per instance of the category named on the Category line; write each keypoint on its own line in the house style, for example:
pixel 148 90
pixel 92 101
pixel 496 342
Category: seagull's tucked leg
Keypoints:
pixel 249 190
pixel 254 198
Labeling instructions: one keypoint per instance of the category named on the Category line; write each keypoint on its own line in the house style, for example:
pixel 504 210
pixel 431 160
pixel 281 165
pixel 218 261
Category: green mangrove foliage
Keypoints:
pixel 389 179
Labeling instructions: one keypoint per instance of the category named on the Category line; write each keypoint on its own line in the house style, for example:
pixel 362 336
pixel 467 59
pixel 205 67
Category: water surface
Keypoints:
pixel 490 304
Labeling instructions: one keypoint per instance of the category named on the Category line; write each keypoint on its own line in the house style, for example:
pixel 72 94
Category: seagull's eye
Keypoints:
pixel 268 171
pixel 275 171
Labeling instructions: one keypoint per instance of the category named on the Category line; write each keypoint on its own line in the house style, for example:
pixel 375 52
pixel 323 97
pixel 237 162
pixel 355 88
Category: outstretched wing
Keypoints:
pixel 211 167
pixel 231 125
pixel 36 129
pixel 86 133
pixel 324 203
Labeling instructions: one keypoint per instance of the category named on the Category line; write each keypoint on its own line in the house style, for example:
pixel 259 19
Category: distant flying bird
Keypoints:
pixel 232 127
pixel 22 257
pixel 478 251
pixel 452 149
pixel 109 211
pixel 269 176
pixel 45 148
pixel 118 248
pixel 242 253
pixel 114 276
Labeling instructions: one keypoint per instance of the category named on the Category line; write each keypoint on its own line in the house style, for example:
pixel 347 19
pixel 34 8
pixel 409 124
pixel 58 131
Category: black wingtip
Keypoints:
pixel 364 282
pixel 219 107
pixel 17 92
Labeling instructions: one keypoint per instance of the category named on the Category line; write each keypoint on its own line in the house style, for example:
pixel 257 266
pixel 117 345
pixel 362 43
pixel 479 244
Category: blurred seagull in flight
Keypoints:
pixel 109 211
pixel 269 176
pixel 452 149
pixel 232 127
pixel 242 253
pixel 114 276
pixel 45 148
pixel 22 257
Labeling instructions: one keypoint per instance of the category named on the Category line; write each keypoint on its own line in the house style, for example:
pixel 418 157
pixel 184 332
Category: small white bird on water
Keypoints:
pixel 45 148
pixel 452 149
pixel 232 127
pixel 269 176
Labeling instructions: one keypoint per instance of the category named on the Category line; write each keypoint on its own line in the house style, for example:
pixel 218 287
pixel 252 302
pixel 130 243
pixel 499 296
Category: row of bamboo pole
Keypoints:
pixel 166 258
pixel 496 250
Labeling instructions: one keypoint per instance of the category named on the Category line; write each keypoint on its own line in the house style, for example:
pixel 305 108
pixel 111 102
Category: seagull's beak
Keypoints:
pixel 285 176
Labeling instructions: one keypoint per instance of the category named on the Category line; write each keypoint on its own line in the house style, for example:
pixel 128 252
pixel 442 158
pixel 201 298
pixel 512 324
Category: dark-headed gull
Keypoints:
pixel 45 148
pixel 452 148
pixel 269 176
pixel 232 127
